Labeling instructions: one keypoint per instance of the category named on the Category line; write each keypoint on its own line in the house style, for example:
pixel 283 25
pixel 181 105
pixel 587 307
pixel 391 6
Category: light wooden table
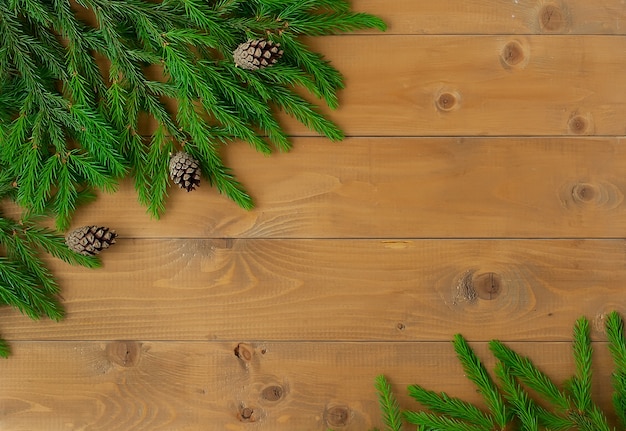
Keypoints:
pixel 481 191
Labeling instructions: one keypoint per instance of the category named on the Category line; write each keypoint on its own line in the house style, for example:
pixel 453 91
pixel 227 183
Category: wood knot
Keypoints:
pixel 247 414
pixel 552 18
pixel 400 326
pixel 487 285
pixel 272 393
pixel 447 101
pixel 473 285
pixel 578 125
pixel 244 352
pixel 591 196
pixel 337 416
pixel 512 54
pixel 124 353
pixel 585 193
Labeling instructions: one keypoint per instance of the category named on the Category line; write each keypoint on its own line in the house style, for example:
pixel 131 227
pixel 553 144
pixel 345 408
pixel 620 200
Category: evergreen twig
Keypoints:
pixel 388 405
pixel 477 373
pixel 70 127
pixel 617 347
pixel 92 91
pixel 569 409
pixel 25 281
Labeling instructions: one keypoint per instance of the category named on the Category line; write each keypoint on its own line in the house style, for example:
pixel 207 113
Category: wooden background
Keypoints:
pixel 481 190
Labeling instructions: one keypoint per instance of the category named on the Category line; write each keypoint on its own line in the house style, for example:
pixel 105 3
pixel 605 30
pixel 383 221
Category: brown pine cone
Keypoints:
pixel 185 171
pixel 90 240
pixel 257 54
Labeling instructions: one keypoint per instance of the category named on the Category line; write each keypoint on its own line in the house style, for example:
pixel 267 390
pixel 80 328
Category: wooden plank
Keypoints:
pixel 489 17
pixel 126 385
pixel 399 188
pixel 478 85
pixel 399 290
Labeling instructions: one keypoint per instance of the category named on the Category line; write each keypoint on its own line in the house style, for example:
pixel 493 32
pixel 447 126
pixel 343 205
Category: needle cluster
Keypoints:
pixel 25 281
pixel 521 397
pixel 92 91
pixel 95 90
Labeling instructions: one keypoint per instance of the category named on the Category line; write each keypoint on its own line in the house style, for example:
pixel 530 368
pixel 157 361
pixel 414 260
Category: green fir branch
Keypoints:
pixel 305 112
pixel 20 289
pixel 580 385
pixel 5 349
pixel 333 23
pixel 617 347
pixel 477 373
pixel 327 79
pixel 388 405
pixel 519 409
pixel 74 95
pixel 158 157
pixel 26 283
pixel 98 110
pixel 523 407
pixel 443 404
pixel 522 368
pixel 441 423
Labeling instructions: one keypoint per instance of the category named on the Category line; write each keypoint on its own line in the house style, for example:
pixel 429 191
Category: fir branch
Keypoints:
pixel 207 19
pixel 283 75
pixel 617 347
pixel 72 94
pixel 254 109
pixel 523 407
pixel 454 407
pixel 333 5
pixel 522 368
pixel 477 373
pixel 388 404
pixel 158 157
pixel 327 79
pixel 305 113
pixel 333 23
pixel 19 289
pixel 183 35
pixel 64 201
pixel 54 245
pixel 7 183
pixel 550 420
pixel 5 349
pixel 25 281
pixel 220 175
pixel 441 423
pixel 581 383
pixel 21 251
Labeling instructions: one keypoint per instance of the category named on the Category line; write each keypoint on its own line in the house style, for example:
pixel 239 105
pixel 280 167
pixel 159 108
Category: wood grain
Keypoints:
pixel 499 17
pixel 399 188
pixel 331 290
pixel 160 386
pixel 478 85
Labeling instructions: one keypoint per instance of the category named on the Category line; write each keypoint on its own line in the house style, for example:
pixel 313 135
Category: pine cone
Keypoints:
pixel 185 171
pixel 90 240
pixel 257 54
